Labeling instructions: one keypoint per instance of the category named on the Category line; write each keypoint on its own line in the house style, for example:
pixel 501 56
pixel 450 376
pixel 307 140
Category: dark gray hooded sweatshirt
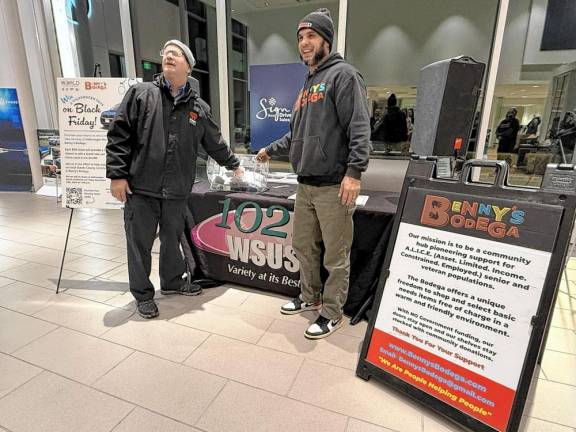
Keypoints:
pixel 330 126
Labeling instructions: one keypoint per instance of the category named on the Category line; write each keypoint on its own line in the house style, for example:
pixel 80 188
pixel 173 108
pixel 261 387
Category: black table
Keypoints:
pixel 252 245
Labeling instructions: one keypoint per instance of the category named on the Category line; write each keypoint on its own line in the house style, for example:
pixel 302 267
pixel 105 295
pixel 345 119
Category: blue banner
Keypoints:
pixel 15 173
pixel 273 91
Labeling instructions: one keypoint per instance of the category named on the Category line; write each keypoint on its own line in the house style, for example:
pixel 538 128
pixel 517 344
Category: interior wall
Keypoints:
pixel 158 22
pixel 390 41
pixel 532 54
pixel 515 33
pixel 272 33
pixel 106 33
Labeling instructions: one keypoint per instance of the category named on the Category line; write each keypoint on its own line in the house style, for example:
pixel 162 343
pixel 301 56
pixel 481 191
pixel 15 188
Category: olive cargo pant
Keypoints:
pixel 319 217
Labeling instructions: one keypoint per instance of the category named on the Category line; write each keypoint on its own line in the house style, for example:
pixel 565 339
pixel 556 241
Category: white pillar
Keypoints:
pixel 127 41
pixel 342 19
pixel 14 74
pixel 492 74
pixel 223 69
pixel 42 77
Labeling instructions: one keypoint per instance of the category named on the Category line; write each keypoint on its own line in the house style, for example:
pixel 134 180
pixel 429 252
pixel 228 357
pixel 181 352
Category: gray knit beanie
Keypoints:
pixel 187 53
pixel 321 22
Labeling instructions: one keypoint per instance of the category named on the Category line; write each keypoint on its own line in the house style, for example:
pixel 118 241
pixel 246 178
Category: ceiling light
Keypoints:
pixel 535 86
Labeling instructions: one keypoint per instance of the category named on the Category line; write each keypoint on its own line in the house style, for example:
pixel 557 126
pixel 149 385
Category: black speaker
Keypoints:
pixel 445 105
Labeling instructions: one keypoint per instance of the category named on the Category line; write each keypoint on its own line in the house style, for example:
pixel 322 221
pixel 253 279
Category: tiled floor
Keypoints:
pixel 227 361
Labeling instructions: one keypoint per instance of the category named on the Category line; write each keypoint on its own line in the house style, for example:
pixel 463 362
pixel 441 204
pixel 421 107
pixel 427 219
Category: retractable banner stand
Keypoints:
pixel 15 172
pixel 273 91
pixel 466 290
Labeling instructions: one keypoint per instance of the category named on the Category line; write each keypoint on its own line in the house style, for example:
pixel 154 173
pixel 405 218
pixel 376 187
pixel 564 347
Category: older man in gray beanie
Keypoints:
pixel 151 161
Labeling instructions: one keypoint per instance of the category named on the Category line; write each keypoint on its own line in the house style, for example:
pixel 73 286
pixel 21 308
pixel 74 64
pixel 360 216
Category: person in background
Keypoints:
pixel 393 129
pixel 507 132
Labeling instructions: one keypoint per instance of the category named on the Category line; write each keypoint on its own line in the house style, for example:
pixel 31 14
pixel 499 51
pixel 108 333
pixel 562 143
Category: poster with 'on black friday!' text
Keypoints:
pixel 87 106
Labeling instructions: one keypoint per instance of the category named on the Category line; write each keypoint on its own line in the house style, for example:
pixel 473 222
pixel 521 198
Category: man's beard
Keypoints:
pixel 318 57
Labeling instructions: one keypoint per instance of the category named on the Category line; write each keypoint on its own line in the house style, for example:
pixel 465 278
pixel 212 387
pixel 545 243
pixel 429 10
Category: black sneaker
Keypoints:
pixel 323 327
pixel 297 305
pixel 147 309
pixel 188 289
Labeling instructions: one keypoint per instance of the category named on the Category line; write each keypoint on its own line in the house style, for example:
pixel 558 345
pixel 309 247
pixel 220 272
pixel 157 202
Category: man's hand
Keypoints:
pixel 239 172
pixel 349 191
pixel 262 155
pixel 120 189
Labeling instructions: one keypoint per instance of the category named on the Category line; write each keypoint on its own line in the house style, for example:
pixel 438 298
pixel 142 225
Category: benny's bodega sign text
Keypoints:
pixel 498 222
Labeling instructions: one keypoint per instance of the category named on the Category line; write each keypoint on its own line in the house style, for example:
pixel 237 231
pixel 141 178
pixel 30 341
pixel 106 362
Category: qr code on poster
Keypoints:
pixel 74 196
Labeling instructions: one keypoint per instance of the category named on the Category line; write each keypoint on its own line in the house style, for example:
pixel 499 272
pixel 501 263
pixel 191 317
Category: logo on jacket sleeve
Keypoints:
pixel 193 118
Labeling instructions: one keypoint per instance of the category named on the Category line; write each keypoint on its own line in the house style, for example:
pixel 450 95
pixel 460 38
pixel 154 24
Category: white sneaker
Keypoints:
pixel 297 305
pixel 323 327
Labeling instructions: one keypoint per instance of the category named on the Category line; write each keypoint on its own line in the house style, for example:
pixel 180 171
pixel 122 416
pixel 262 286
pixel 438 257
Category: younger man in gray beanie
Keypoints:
pixel 329 145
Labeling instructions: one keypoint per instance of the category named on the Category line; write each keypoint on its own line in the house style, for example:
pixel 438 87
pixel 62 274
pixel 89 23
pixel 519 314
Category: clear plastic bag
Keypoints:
pixel 254 179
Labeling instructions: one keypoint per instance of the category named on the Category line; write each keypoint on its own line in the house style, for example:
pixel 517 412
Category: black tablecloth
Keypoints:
pixel 372 226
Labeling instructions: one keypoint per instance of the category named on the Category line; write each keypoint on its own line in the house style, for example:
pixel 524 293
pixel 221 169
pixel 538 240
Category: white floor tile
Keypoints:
pixel 340 390
pixel 565 319
pixel 92 266
pixel 141 420
pixel 535 425
pixel 355 425
pixel 161 338
pixel 561 340
pixel 28 329
pixel 226 322
pixel 99 251
pixel 7 263
pixel 50 403
pixel 5 281
pixel 37 274
pixel 339 349
pixel 14 373
pixel 253 365
pixel 240 408
pixel 554 403
pixel 177 391
pixel 74 355
pixel 83 315
pixel 560 367
pixel 25 298
pixel 90 288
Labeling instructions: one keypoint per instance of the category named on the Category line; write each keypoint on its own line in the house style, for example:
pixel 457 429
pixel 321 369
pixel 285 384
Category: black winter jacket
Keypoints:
pixel 153 141
pixel 393 127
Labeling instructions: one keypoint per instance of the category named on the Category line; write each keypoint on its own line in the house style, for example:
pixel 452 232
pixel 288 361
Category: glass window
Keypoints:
pixel 156 21
pixel 391 49
pixel 535 94
pixel 91 31
pixel 117 65
pixel 262 33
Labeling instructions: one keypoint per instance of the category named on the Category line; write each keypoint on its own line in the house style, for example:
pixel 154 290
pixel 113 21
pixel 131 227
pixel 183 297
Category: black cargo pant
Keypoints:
pixel 142 215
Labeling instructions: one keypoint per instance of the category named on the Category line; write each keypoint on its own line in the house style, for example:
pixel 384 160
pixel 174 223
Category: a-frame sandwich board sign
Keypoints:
pixel 467 289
